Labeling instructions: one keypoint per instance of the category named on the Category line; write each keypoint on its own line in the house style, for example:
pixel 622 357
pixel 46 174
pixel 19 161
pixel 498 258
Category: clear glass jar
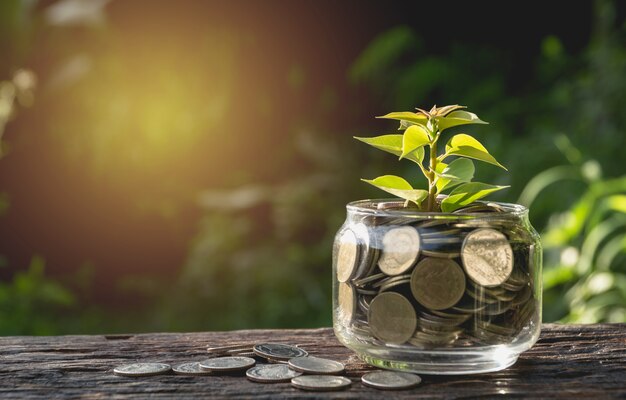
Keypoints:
pixel 440 293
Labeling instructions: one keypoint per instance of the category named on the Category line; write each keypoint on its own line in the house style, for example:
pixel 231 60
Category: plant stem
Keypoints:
pixel 432 187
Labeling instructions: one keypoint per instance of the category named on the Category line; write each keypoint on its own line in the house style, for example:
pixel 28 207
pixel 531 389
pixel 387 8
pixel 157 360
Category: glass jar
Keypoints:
pixel 440 293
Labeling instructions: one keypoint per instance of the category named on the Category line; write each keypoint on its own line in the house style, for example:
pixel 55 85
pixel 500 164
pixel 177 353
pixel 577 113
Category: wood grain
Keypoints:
pixel 569 361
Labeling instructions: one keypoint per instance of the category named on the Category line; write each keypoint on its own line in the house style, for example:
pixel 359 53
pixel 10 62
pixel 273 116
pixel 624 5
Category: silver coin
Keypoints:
pixel 487 257
pixel 347 256
pixel 227 364
pixel 142 369
pixel 367 254
pixel 368 279
pixel 346 299
pixel 245 354
pixel 190 368
pixel 278 351
pixel 390 380
pixel 392 318
pixel 316 365
pixel 401 247
pixel 271 373
pixel 321 383
pixel 437 283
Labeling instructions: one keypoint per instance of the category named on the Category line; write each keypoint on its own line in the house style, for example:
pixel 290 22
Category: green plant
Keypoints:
pixel 422 131
pixel 585 246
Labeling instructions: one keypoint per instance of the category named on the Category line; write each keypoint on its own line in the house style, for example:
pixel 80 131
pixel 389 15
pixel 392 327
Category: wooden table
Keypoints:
pixel 569 361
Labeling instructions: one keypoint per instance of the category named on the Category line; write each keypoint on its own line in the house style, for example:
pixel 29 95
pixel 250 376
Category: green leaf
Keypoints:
pixel 466 146
pixel 398 187
pixel 407 116
pixel 441 183
pixel 393 144
pixel 459 171
pixel 417 156
pixel 389 143
pixel 414 137
pixel 456 118
pixel 466 194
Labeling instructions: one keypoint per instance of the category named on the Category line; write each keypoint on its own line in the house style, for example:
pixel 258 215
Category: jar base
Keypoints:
pixel 440 363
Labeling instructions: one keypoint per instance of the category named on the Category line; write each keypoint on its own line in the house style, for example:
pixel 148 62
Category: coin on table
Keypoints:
pixel 321 383
pixel 346 300
pixel 227 364
pixel 316 365
pixel 278 351
pixel 487 257
pixel 142 369
pixel 392 318
pixel 437 283
pixel 400 249
pixel 347 255
pixel 271 373
pixel 390 380
pixel 190 368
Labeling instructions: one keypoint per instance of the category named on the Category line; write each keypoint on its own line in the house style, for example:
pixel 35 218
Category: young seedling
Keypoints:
pixel 422 131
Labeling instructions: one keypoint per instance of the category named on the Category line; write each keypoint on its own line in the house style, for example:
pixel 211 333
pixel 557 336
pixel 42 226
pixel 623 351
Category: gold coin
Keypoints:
pixel 401 248
pixel 437 283
pixel 487 257
pixel 347 302
pixel 392 318
pixel 347 256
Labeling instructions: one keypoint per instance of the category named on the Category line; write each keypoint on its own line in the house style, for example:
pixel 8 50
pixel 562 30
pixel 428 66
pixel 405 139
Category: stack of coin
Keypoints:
pixel 285 363
pixel 435 283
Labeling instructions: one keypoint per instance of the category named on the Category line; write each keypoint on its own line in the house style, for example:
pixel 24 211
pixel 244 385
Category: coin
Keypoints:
pixel 315 365
pixel 346 303
pixel 390 380
pixel 245 354
pixel 190 368
pixel 368 255
pixel 368 279
pixel 142 369
pixel 227 364
pixel 320 383
pixel 437 283
pixel 393 284
pixel 347 255
pixel 392 318
pixel 401 248
pixel 278 351
pixel 487 257
pixel 271 373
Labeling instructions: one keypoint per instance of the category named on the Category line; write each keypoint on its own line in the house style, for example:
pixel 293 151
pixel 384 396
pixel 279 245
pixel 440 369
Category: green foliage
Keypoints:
pixel 394 144
pixel 422 131
pixel 585 252
pixel 33 304
pixel 399 187
pixel 466 146
pixel 467 193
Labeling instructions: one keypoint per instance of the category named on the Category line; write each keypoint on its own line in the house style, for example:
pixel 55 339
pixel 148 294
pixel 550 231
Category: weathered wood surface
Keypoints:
pixel 575 361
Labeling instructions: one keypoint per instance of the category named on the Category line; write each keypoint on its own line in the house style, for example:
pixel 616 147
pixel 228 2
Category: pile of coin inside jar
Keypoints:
pixel 283 363
pixel 432 283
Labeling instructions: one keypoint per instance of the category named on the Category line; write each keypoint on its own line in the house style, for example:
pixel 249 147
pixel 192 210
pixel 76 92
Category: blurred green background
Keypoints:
pixel 185 166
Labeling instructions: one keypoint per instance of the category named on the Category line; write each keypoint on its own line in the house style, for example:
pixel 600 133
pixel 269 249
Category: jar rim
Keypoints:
pixel 370 207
